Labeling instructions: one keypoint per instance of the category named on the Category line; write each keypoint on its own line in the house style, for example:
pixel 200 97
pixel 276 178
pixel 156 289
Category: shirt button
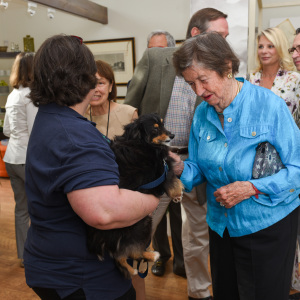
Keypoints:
pixel 220 168
pixel 225 215
pixel 225 145
pixel 292 190
pixel 208 137
pixel 229 120
pixel 253 133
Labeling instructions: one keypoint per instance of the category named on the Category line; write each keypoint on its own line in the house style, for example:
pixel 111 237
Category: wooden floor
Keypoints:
pixel 12 278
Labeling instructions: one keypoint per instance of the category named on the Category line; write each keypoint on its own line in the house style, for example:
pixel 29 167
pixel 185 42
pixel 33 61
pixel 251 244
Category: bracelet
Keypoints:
pixel 257 192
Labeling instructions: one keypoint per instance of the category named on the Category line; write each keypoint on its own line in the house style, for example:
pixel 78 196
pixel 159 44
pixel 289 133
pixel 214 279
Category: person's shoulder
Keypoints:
pixel 123 108
pixel 161 53
pixel 293 75
pixel 261 96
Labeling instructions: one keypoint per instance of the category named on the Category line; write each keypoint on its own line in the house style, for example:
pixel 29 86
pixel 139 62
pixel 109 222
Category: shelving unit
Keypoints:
pixel 6 62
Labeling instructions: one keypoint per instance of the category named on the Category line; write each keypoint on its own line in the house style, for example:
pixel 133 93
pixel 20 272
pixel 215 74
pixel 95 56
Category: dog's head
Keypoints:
pixel 150 129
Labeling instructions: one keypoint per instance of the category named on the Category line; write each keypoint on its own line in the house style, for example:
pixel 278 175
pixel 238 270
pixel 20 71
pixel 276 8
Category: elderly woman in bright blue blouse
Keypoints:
pixel 253 222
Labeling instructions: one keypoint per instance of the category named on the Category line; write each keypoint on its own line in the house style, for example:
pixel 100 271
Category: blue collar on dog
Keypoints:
pixel 157 181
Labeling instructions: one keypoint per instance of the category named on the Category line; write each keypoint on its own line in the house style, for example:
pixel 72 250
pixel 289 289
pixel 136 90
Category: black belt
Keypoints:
pixel 184 150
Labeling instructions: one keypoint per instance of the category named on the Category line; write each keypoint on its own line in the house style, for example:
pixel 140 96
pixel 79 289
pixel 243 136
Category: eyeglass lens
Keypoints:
pixel 292 50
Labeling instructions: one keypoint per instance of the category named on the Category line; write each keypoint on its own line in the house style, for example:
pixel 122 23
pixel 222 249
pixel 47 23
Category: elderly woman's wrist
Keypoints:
pixel 178 168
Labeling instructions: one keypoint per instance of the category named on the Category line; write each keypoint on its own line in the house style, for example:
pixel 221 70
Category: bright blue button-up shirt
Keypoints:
pixel 222 156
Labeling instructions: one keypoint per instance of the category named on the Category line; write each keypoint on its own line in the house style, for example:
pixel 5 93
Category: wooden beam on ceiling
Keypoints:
pixel 81 8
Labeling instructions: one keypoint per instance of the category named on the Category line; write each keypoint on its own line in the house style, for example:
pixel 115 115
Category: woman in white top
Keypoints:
pixel 18 122
pixel 275 69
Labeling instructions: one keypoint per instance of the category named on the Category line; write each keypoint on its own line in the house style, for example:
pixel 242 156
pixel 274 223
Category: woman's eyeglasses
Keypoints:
pixel 78 38
pixel 292 50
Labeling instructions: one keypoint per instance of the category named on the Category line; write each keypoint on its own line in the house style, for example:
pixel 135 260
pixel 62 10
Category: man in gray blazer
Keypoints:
pixel 156 88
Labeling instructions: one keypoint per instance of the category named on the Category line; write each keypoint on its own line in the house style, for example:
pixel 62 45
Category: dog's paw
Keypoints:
pixel 176 190
pixel 135 272
pixel 100 257
pixel 156 255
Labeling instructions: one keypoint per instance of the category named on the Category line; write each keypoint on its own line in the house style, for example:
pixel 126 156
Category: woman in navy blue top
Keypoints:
pixel 72 179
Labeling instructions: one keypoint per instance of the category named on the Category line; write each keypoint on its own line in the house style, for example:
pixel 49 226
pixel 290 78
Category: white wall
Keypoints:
pixel 130 18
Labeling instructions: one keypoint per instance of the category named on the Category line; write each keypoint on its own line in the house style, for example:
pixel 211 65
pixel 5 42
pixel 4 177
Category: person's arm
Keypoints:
pixel 31 112
pixel 137 86
pixel 107 207
pixel 6 126
pixel 189 171
pixel 282 186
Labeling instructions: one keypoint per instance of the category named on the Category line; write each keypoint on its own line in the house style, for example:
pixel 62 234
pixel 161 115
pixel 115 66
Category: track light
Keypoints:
pixel 4 4
pixel 50 13
pixel 31 8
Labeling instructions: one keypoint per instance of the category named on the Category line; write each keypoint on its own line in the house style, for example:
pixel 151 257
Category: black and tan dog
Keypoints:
pixel 144 165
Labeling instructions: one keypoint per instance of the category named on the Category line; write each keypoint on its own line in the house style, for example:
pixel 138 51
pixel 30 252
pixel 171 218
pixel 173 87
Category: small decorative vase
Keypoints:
pixel 28 43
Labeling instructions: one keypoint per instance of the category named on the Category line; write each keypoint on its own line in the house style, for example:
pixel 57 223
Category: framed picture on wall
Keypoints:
pixel 119 53
pixel 178 43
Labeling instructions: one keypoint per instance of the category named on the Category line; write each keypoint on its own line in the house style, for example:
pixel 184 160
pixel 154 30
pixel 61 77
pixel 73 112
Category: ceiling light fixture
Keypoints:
pixel 51 13
pixel 4 4
pixel 31 8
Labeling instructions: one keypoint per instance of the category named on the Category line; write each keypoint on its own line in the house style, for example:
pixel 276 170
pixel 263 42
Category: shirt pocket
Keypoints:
pixel 207 135
pixel 255 133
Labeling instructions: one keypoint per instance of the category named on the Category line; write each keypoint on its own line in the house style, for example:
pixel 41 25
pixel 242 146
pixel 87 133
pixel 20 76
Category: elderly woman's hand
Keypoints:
pixel 178 164
pixel 233 193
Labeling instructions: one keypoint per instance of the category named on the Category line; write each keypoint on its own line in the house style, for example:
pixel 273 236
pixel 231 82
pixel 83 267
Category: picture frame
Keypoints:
pixel 178 43
pixel 119 53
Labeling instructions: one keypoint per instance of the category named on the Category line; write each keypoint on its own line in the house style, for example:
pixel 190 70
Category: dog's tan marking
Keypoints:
pixel 151 255
pixel 156 125
pixel 175 190
pixel 123 262
pixel 159 139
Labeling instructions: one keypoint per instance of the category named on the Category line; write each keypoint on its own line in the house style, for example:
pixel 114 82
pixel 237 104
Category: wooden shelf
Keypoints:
pixel 8 54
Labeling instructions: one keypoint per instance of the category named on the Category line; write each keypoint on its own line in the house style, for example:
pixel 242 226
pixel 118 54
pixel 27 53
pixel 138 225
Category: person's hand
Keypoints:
pixel 233 193
pixel 178 164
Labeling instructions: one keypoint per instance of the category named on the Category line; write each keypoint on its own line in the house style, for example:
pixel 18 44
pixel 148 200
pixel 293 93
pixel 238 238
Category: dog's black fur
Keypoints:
pixel 140 153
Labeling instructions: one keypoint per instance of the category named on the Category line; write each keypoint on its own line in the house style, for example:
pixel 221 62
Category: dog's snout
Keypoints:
pixel 172 136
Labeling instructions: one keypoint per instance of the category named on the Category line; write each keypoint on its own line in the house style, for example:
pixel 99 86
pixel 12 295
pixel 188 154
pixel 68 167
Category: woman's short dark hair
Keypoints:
pixel 22 70
pixel 105 70
pixel 64 71
pixel 208 50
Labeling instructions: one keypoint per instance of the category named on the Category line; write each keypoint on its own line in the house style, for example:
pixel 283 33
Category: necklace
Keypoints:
pixel 107 117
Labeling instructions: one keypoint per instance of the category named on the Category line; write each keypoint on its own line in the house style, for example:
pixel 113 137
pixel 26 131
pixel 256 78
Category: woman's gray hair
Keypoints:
pixel 208 50
pixel 169 37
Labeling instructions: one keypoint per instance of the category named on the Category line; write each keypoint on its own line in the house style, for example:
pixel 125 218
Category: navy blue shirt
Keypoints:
pixel 66 153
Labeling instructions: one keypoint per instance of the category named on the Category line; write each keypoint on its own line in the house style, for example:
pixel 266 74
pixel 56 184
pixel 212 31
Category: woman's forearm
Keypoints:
pixel 108 207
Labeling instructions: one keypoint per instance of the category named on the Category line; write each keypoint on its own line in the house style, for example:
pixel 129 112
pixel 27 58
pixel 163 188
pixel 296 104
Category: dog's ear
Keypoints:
pixel 132 131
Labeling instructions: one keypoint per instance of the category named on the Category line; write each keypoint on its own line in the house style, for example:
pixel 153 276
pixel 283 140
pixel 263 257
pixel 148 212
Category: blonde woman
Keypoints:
pixel 275 69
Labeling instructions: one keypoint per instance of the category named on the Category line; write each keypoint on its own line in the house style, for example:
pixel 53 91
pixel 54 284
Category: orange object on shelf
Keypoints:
pixel 3 172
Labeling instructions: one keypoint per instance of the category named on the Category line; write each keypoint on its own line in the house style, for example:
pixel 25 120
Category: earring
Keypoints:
pixel 229 76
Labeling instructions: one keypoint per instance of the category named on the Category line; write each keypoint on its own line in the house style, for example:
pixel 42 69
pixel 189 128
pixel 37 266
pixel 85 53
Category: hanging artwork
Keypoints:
pixel 119 53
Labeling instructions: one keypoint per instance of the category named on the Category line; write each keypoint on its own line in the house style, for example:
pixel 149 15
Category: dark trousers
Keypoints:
pixel 51 294
pixel 160 241
pixel 257 266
